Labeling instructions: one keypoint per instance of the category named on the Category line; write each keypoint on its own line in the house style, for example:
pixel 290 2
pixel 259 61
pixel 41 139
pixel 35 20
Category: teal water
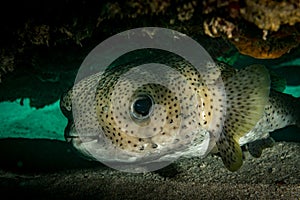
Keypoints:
pixel 293 90
pixel 22 121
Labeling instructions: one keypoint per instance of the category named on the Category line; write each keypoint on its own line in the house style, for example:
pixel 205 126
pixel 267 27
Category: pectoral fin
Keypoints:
pixel 247 95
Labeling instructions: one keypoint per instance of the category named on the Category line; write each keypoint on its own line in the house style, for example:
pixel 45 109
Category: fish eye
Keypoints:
pixel 142 107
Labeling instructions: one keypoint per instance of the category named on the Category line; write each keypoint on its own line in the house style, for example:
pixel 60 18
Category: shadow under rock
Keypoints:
pixel 40 155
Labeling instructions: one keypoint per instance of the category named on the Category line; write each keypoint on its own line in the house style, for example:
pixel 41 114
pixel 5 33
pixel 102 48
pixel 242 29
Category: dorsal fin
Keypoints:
pixel 247 94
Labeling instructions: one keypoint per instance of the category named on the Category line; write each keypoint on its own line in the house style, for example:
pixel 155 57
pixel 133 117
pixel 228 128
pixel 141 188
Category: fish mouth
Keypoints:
pixel 79 139
pixel 71 136
pixel 68 133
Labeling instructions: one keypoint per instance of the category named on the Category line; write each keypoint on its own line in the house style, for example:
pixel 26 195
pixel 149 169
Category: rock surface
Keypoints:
pixel 49 169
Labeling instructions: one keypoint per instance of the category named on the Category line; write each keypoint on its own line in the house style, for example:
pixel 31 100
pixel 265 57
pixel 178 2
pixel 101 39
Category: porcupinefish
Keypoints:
pixel 114 113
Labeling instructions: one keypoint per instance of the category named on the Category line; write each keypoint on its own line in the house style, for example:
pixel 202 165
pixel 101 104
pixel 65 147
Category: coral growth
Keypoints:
pixel 270 15
pixel 260 28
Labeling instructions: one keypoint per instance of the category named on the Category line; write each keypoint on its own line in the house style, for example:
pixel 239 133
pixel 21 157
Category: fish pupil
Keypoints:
pixel 142 105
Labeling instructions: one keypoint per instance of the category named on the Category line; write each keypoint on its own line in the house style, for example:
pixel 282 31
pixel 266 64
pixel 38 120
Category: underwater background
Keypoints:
pixel 43 46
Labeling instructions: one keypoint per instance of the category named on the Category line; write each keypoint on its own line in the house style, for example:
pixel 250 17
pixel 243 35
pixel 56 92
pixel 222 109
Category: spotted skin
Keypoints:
pixel 108 110
pixel 106 105
pixel 247 94
pixel 166 117
pixel 281 110
pixel 123 133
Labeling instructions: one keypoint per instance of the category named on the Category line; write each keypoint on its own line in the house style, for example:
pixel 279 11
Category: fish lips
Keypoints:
pixel 71 135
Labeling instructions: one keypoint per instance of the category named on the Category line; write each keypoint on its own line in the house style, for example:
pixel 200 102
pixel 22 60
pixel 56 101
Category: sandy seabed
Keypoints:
pixel 50 170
